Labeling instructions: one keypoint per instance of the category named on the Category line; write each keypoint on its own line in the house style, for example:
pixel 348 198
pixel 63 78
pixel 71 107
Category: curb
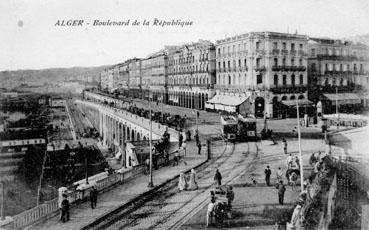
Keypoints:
pixel 130 202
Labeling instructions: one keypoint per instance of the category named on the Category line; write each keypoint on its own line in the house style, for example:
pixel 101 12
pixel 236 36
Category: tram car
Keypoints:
pixel 246 128
pixel 229 127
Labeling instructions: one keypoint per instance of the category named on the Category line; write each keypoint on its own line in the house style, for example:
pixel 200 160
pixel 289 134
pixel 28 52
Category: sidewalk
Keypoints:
pixel 108 201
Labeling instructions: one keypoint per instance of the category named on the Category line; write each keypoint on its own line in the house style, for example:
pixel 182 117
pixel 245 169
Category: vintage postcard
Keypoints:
pixel 174 114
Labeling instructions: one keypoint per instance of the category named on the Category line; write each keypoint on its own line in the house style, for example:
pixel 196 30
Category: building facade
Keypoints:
pixel 134 71
pixel 338 71
pixel 268 69
pixel 191 74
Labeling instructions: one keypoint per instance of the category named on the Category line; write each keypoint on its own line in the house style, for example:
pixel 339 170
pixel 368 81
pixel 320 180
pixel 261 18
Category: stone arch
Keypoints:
pixel 301 97
pixel 138 136
pixel 132 135
pixel 128 136
pixel 293 97
pixel 284 98
pixel 144 138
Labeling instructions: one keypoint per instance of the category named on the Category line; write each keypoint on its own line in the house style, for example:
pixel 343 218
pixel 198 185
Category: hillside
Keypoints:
pixel 54 75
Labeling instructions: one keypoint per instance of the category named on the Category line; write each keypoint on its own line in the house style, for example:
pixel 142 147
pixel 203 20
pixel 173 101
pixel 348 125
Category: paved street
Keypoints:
pixel 108 201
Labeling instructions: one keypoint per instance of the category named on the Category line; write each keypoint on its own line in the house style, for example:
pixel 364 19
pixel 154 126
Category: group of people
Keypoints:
pixel 65 205
pixel 184 185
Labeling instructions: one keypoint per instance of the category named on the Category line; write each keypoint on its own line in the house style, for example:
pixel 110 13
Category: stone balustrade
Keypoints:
pixel 51 208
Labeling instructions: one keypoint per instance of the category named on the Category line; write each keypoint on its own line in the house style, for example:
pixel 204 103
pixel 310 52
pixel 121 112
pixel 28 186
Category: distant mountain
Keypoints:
pixel 50 76
pixel 360 38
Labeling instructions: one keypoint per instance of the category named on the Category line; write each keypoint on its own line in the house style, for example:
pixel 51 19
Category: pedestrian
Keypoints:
pixel 289 161
pixel 284 145
pixel 281 189
pixel 199 148
pixel 192 185
pixel 180 139
pixel 65 209
pixel 182 183
pixel 267 172
pixel 210 212
pixel 188 135
pixel 197 138
pixel 147 163
pixel 218 178
pixel 279 175
pixel 93 197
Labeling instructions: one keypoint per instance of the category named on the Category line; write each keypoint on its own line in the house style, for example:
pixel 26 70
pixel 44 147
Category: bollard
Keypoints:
pixel 208 145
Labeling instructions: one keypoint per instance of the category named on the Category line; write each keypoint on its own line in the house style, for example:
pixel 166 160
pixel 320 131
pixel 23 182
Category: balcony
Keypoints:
pixel 259 68
pixel 260 52
pixel 284 52
pixel 288 68
pixel 227 87
pixel 337 57
pixel 342 88
pixel 275 51
pixel 301 53
pixel 288 89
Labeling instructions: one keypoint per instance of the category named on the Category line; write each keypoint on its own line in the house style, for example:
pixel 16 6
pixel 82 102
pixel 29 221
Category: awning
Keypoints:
pixel 227 100
pixel 343 98
pixel 301 102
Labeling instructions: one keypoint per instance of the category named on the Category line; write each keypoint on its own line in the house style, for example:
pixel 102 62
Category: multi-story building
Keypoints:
pixel 124 78
pixel 155 75
pixel 338 71
pixel 191 74
pixel 134 69
pixel 104 80
pixel 261 73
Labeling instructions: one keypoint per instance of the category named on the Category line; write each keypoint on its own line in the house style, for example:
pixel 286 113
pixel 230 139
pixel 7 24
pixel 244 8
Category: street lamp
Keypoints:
pixel 151 184
pixel 300 155
pixel 2 201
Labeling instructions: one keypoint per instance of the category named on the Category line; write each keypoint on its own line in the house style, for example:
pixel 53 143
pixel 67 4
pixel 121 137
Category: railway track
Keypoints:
pixel 155 207
pixel 127 215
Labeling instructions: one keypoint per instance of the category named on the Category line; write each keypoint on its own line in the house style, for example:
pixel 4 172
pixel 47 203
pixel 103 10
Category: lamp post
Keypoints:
pixel 151 184
pixel 300 155
pixel 337 114
pixel 2 201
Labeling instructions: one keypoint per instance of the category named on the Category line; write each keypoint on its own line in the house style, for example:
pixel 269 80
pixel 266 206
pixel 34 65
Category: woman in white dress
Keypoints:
pixel 182 183
pixel 192 185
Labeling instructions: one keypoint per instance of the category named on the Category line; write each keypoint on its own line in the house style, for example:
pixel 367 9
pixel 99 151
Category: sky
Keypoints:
pixel 29 38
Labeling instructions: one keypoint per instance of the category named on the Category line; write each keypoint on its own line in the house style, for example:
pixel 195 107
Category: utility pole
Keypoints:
pixel 2 201
pixel 41 176
pixel 151 184
pixel 337 114
pixel 300 155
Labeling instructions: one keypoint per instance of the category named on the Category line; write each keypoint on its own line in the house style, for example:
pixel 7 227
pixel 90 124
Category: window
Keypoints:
pixel 341 67
pixel 275 61
pixel 348 67
pixel 245 63
pixel 257 46
pixel 229 64
pixel 326 66
pixel 293 79
pixel 284 61
pixel 341 81
pixel 292 46
pixel 301 79
pixel 259 79
pixel 239 63
pixel 284 80
pixel 333 81
pixel 300 62
pixel 218 51
pixel 326 82
pixel 313 52
pixel 355 68
pixel 301 46
pixel 284 45
pixel 244 46
pixel 234 48
pixel 361 68
pixel 223 50
pixel 334 67
pixel 276 79
pixel 275 45
pixel 292 62
pixel 229 79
